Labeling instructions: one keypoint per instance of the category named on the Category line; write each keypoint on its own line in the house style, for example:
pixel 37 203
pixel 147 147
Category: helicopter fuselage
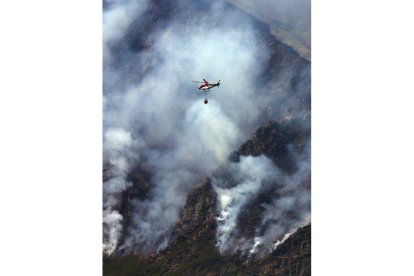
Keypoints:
pixel 207 86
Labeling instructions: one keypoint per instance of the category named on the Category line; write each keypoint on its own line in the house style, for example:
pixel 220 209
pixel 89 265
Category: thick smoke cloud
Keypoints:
pixel 119 146
pixel 201 146
pixel 289 209
pixel 295 196
pixel 184 139
pixel 117 19
pixel 155 116
pixel 249 174
pixel 119 150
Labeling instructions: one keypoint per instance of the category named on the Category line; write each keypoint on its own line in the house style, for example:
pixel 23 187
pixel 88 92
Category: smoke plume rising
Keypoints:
pixel 289 209
pixel 155 116
pixel 249 174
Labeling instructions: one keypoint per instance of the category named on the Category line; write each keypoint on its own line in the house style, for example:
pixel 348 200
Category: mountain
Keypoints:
pixel 192 250
pixel 289 21
pixel 282 135
pixel 274 140
pixel 140 37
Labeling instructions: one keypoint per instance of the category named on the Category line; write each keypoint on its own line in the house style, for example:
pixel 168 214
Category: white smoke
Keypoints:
pixel 117 19
pixel 154 114
pixel 279 242
pixel 202 146
pixel 295 196
pixel 119 148
pixel 112 220
pixel 250 176
pixel 185 139
pixel 257 241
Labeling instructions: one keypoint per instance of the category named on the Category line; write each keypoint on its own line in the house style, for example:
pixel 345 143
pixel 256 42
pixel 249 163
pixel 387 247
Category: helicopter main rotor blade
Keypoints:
pixel 198 81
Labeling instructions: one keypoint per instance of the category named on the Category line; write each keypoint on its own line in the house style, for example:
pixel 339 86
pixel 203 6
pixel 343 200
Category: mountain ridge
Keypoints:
pixel 192 250
pixel 192 246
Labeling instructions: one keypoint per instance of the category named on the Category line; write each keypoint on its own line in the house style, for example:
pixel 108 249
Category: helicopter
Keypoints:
pixel 205 86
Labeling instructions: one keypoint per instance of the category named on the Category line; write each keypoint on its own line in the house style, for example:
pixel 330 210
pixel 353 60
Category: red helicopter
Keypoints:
pixel 207 86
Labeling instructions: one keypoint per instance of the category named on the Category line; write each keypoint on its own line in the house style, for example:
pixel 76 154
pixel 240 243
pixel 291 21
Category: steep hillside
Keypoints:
pixel 192 249
pixel 187 244
pixel 275 140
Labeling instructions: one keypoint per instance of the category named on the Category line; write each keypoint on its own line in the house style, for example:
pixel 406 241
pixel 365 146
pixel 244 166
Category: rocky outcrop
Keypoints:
pixel 276 141
pixel 198 217
pixel 194 232
pixel 192 249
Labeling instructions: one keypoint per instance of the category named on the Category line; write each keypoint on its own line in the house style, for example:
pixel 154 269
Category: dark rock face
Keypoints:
pixel 194 233
pixel 141 185
pixel 276 140
pixel 251 215
pixel 198 217
pixel 192 249
pixel 293 257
